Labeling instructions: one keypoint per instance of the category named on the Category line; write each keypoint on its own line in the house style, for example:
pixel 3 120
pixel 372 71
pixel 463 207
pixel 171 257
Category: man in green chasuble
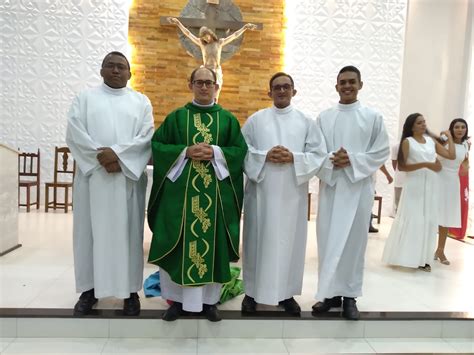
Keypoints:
pixel 196 199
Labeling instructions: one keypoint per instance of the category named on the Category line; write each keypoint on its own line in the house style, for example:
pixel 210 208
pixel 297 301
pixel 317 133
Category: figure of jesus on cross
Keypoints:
pixel 211 46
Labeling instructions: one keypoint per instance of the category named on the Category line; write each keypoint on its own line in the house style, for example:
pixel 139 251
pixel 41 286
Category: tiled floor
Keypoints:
pixel 40 275
pixel 232 346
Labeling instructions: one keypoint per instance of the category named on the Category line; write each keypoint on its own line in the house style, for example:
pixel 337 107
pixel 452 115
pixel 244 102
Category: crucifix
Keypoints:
pixel 210 20
pixel 207 41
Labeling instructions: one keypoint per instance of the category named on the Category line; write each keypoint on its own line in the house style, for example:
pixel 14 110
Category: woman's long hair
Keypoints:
pixel 451 128
pixel 406 132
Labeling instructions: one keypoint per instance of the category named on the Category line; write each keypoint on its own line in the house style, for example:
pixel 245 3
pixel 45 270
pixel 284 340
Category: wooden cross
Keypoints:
pixel 210 20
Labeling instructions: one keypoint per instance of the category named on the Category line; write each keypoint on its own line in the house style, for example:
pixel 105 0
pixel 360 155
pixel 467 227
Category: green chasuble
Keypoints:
pixel 196 219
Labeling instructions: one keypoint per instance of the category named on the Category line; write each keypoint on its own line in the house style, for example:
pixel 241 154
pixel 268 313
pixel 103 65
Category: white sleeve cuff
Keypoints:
pixel 219 163
pixel 178 167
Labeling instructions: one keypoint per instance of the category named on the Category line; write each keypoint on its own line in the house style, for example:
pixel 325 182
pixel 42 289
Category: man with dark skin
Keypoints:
pixel 109 131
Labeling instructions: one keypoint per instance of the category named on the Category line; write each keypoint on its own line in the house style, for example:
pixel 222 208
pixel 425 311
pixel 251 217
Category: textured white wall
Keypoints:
pixel 50 50
pixel 325 35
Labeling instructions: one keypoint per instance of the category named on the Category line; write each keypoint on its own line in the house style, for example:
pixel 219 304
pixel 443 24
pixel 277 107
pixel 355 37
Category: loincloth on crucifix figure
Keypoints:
pixel 210 45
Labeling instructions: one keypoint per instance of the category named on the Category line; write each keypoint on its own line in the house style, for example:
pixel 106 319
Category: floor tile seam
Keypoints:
pixel 370 345
pixel 67 269
pixel 452 346
pixel 43 289
pixel 108 336
pixel 111 313
pixel 285 345
pixel 9 344
pixel 424 339
pixel 197 336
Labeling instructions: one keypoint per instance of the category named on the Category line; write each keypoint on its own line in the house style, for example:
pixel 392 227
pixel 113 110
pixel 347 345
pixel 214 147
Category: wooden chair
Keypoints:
pixel 379 209
pixel 28 177
pixel 63 178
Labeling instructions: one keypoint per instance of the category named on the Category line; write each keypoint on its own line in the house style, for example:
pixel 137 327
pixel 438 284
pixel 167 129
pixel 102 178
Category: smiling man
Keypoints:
pixel 286 149
pixel 357 146
pixel 109 132
pixel 196 198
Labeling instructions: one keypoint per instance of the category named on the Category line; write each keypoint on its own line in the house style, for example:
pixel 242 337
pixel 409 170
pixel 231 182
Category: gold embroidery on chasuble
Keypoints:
pixel 197 259
pixel 203 172
pixel 202 128
pixel 201 195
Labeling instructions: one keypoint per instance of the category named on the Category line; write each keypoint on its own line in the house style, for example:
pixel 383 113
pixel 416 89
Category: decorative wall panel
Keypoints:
pixel 325 35
pixel 50 50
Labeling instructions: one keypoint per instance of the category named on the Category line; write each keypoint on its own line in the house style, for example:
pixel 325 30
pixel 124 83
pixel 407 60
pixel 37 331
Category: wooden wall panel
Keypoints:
pixel 161 66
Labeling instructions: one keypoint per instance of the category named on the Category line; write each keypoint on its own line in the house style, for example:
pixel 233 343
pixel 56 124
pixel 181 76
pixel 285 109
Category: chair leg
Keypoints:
pixel 37 196
pixel 46 198
pixel 55 193
pixel 28 199
pixel 66 199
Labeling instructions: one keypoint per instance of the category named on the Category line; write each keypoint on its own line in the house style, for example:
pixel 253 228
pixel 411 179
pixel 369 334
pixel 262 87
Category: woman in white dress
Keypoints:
pixel 449 197
pixel 412 238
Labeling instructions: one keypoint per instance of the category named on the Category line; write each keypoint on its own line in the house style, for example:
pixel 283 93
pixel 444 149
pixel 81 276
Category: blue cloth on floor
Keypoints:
pixel 151 286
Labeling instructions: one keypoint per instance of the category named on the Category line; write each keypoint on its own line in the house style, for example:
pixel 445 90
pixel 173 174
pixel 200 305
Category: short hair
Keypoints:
pixel 350 68
pixel 214 75
pixel 120 54
pixel 277 75
pixel 451 128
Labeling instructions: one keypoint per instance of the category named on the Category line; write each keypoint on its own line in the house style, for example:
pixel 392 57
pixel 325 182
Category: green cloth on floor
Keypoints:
pixel 234 287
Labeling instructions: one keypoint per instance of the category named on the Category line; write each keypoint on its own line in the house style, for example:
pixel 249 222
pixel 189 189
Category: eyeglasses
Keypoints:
pixel 201 83
pixel 120 67
pixel 285 87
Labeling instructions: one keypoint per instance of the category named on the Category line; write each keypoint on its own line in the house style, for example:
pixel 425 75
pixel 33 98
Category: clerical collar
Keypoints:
pixel 348 107
pixel 204 106
pixel 108 89
pixel 282 111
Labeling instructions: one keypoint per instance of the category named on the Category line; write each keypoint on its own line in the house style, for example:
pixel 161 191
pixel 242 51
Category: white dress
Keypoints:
pixel 412 238
pixel 449 197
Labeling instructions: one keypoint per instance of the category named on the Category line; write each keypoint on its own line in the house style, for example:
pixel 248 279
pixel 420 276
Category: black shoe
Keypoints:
pixel 349 309
pixel 372 229
pixel 174 312
pixel 249 305
pixel 327 304
pixel 131 305
pixel 291 306
pixel 426 268
pixel 85 303
pixel 211 312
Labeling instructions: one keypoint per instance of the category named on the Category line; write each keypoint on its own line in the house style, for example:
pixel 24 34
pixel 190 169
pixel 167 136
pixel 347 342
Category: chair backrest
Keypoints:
pixel 29 165
pixel 64 165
